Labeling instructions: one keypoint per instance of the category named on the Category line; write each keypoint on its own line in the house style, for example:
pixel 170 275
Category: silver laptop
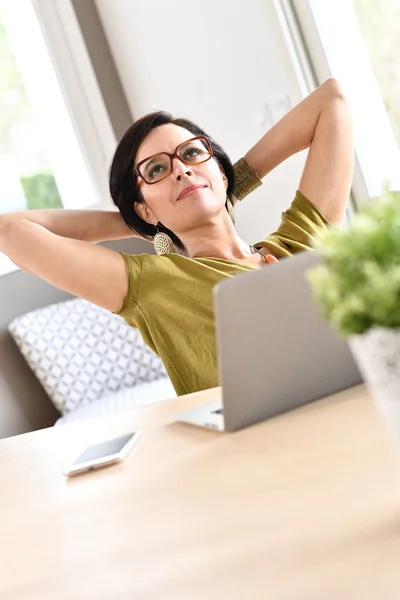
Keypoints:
pixel 275 351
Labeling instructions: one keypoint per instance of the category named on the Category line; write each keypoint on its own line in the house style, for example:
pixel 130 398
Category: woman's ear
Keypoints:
pixel 224 177
pixel 143 211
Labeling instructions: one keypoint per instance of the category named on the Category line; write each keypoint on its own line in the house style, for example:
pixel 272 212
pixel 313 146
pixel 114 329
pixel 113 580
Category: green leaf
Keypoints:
pixel 358 284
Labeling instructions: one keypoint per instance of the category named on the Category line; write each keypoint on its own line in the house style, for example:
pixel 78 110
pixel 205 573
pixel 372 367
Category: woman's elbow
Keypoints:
pixel 333 90
pixel 5 222
pixel 8 232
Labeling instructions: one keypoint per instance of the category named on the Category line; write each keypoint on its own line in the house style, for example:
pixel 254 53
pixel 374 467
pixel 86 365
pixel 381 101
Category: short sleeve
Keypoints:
pixel 301 227
pixel 133 265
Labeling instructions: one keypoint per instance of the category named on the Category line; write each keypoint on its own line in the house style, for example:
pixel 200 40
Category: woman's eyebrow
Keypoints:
pixel 187 143
pixel 152 160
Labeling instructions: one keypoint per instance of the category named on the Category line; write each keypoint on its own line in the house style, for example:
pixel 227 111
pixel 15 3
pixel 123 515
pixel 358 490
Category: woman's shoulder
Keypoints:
pixel 302 224
pixel 141 269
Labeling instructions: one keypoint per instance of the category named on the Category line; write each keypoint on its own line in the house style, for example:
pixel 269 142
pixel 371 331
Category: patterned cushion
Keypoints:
pixel 80 352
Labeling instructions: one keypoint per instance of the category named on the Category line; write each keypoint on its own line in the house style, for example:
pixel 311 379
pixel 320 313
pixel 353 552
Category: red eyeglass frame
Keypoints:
pixel 174 155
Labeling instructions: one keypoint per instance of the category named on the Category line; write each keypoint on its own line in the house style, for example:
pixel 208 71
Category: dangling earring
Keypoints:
pixel 231 210
pixel 163 243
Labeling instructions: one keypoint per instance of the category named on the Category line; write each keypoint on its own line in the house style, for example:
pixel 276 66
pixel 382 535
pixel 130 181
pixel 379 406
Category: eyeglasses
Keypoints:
pixel 158 167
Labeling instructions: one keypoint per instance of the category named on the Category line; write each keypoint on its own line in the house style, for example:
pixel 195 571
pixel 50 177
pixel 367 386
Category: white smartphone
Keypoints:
pixel 101 455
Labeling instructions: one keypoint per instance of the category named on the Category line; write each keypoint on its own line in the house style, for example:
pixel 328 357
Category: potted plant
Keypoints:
pixel 357 287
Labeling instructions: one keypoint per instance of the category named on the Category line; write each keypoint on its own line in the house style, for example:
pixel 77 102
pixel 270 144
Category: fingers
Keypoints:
pixel 271 259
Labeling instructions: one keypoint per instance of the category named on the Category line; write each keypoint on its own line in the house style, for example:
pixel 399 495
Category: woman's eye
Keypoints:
pixel 191 152
pixel 156 170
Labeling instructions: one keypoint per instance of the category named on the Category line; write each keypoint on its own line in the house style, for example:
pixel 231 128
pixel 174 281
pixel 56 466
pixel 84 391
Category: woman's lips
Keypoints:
pixel 190 190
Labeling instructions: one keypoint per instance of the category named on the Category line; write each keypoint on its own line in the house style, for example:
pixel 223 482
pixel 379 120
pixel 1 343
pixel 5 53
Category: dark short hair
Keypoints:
pixel 123 184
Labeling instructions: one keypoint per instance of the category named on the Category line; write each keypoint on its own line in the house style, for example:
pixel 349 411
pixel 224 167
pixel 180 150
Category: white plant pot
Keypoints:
pixel 377 354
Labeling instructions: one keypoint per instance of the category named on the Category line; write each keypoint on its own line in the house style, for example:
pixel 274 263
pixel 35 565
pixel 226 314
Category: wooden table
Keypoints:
pixel 303 506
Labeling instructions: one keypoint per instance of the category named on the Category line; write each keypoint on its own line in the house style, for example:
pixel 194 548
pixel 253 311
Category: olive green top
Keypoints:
pixel 170 297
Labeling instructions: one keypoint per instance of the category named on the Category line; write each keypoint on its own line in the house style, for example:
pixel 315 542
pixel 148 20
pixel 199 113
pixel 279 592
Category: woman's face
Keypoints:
pixel 163 201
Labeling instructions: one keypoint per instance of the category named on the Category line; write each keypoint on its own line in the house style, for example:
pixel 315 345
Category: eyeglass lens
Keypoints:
pixel 159 167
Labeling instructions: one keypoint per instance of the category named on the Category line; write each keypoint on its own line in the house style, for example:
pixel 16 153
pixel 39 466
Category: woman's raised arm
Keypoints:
pixel 322 123
pixel 55 245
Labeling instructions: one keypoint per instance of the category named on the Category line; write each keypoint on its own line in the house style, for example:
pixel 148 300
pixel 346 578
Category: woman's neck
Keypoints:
pixel 217 242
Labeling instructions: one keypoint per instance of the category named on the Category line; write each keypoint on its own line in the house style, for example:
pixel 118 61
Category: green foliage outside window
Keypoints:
pixel 41 191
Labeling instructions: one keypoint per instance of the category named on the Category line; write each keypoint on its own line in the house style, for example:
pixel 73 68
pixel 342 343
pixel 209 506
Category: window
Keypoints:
pixel 355 41
pixel 379 22
pixel 26 175
pixel 56 140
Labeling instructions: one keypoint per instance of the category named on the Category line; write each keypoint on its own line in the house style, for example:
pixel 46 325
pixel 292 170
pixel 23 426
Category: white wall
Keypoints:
pixel 227 66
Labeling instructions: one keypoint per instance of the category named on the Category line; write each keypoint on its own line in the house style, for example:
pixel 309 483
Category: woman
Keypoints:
pixel 165 182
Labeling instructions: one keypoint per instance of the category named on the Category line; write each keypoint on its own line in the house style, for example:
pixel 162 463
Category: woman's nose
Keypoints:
pixel 179 169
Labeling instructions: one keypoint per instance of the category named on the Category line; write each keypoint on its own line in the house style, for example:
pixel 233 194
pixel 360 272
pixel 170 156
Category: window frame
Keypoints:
pixel 82 93
pixel 84 104
pixel 323 48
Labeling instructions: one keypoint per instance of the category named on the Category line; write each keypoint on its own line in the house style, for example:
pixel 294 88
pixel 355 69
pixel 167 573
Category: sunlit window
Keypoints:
pixel 26 175
pixel 357 42
pixel 56 139
pixel 379 22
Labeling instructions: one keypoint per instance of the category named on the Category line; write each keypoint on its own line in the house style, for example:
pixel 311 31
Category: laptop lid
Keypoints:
pixel 275 351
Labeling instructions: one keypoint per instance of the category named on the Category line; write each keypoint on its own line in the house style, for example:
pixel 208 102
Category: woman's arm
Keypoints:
pixel 85 225
pixel 321 122
pixel 54 244
pixel 87 270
